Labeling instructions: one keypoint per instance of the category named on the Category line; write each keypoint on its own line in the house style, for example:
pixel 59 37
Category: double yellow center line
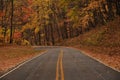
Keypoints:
pixel 59 68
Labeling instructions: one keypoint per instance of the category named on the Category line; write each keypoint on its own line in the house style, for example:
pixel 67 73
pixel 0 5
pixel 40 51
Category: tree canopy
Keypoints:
pixel 45 22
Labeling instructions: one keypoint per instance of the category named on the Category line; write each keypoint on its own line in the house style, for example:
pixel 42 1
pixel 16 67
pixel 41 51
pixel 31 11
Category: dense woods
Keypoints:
pixel 45 22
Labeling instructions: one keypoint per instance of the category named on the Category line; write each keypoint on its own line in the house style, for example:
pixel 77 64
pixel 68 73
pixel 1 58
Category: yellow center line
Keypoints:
pixel 60 67
pixel 57 69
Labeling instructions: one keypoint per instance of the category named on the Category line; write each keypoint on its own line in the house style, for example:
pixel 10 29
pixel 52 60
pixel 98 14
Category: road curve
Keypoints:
pixel 60 63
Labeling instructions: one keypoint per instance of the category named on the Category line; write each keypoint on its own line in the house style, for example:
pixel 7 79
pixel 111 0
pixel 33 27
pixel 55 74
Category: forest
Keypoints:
pixel 47 22
pixel 65 31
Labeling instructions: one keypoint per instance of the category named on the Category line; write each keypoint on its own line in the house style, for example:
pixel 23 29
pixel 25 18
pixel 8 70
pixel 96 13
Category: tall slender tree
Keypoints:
pixel 11 26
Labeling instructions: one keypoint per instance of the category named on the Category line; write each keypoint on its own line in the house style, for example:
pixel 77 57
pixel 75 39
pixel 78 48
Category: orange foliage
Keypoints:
pixel 26 9
pixel 1 14
pixel 25 17
pixel 17 35
pixel 28 12
pixel 30 2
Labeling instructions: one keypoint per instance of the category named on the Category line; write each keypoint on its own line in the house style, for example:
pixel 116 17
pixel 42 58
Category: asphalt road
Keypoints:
pixel 60 63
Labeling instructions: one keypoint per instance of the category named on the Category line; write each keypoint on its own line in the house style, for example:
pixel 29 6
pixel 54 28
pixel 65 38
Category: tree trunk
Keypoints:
pixel 118 7
pixel 110 10
pixel 11 26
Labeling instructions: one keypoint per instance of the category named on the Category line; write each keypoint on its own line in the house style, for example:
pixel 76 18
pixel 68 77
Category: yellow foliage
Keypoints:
pixel 42 35
pixel 1 30
pixel 37 29
pixel 27 26
pixel 25 42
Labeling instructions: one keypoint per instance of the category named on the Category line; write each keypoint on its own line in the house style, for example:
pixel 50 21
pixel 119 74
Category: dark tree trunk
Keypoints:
pixel 110 10
pixel 52 35
pixel 39 38
pixel 11 26
pixel 118 7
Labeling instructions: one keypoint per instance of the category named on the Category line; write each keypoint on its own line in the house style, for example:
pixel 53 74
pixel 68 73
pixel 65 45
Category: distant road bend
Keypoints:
pixel 60 63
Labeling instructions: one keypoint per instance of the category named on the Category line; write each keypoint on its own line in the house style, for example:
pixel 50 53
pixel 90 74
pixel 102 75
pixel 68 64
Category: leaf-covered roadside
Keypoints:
pixel 11 56
pixel 102 43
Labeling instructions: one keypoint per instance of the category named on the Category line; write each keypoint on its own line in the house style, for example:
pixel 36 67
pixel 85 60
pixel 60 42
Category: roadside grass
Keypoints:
pixel 11 56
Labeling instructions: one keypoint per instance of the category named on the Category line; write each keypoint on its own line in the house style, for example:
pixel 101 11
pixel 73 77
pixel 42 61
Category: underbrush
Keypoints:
pixel 101 43
pixel 104 39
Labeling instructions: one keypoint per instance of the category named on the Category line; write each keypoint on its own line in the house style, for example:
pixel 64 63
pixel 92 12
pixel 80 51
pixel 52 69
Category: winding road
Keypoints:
pixel 60 63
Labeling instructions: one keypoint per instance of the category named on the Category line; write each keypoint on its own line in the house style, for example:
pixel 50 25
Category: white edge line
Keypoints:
pixel 24 62
pixel 83 52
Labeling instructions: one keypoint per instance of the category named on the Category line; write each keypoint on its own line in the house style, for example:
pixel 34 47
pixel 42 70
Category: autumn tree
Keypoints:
pixel 45 22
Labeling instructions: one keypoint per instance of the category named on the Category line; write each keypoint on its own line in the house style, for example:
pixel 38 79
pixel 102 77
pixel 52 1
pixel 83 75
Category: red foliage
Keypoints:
pixel 30 2
pixel 17 35
pixel 26 9
pixel 1 14
pixel 25 17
